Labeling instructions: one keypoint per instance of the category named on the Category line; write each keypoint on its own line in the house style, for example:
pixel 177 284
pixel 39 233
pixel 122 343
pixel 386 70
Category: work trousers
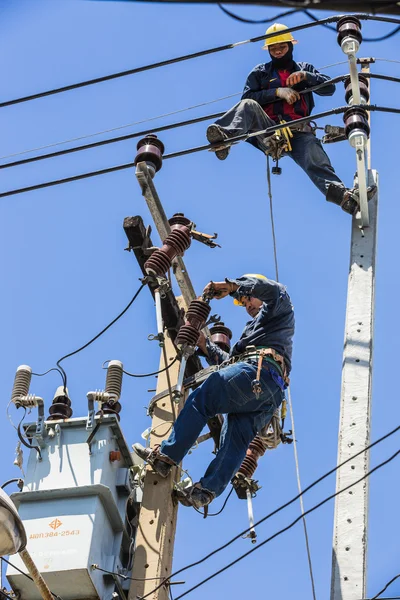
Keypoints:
pixel 247 117
pixel 229 392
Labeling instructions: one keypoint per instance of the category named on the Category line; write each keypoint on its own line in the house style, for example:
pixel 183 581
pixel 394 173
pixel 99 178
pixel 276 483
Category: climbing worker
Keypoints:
pixel 275 92
pixel 247 388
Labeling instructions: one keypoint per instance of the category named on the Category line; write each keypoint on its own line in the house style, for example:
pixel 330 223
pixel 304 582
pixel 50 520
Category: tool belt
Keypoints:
pixel 269 355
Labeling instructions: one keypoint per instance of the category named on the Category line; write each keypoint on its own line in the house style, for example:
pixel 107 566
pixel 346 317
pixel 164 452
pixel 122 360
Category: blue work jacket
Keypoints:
pixel 263 80
pixel 273 327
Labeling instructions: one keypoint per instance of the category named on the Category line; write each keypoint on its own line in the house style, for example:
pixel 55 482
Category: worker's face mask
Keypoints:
pixel 285 61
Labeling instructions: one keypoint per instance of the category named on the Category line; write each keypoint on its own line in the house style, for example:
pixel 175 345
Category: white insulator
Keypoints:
pixel 114 378
pixel 22 382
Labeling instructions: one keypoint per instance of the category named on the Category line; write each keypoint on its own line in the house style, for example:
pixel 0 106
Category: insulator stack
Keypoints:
pixel 364 89
pixel 22 383
pixel 255 450
pixel 356 122
pixel 114 387
pixel 221 336
pixel 195 319
pixel 348 28
pixel 174 245
pixel 61 406
pixel 150 150
pixel 114 378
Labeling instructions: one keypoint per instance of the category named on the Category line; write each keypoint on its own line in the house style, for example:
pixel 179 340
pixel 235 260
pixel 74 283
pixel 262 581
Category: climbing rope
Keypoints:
pixel 296 457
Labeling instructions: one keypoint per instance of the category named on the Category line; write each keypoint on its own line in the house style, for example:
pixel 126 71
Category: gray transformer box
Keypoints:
pixel 73 506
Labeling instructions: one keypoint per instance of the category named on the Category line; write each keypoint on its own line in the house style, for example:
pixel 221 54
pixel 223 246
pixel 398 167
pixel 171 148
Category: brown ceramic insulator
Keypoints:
pixel 150 149
pixel 179 219
pixel 255 450
pixel 356 118
pixel 348 27
pixel 174 245
pixel 221 336
pixel 60 409
pixel 110 409
pixel 195 320
pixel 364 88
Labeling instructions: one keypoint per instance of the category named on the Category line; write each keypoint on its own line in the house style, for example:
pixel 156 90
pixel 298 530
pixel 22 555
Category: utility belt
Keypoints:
pixel 260 354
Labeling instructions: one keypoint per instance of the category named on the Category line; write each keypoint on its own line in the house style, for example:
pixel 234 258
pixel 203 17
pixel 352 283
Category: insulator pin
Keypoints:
pixel 356 122
pixel 195 320
pixel 349 28
pixel 255 450
pixel 175 244
pixel 150 150
pixel 221 336
pixel 61 406
pixel 22 383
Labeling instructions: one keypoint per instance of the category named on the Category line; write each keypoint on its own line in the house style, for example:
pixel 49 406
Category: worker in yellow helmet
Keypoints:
pixel 248 387
pixel 272 95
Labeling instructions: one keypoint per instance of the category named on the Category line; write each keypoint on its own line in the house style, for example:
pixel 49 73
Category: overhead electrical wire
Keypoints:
pixel 96 337
pixel 382 38
pixel 233 140
pixel 279 509
pixel 292 524
pixel 26 575
pixel 386 587
pixel 208 51
pixel 257 21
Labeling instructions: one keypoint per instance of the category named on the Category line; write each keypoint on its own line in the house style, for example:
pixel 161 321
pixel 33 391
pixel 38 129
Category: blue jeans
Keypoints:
pixel 247 117
pixel 229 392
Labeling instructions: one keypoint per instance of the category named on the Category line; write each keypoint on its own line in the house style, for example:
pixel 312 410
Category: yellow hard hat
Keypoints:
pixel 239 302
pixel 280 38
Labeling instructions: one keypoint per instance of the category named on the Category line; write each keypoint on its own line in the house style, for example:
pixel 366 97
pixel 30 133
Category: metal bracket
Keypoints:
pixel 334 134
pixel 205 238
pixel 39 432
pixel 91 414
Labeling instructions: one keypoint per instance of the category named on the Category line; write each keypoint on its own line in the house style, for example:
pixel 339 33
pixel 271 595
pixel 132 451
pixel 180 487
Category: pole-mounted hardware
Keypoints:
pixel 349 39
pixel 21 397
pixel 221 336
pixel 150 150
pixel 188 336
pixel 107 398
pixel 61 406
pixel 363 86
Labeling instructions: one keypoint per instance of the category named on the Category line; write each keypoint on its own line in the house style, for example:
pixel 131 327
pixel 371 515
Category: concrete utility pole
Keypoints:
pixel 158 513
pixel 349 561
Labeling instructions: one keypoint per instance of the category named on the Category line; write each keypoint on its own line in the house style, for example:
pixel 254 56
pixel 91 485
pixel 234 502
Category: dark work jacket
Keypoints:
pixel 272 327
pixel 260 88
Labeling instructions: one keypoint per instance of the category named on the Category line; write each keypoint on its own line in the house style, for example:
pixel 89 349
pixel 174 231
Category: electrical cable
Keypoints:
pixel 15 480
pixel 208 51
pixel 220 510
pixel 386 587
pixel 46 372
pixel 164 350
pixel 296 459
pixel 3 594
pixel 232 140
pixel 256 21
pixel 89 135
pixel 151 374
pixel 281 531
pixel 365 39
pixel 26 575
pixel 129 136
pixel 22 439
pixel 98 335
pixel 97 568
pixel 280 508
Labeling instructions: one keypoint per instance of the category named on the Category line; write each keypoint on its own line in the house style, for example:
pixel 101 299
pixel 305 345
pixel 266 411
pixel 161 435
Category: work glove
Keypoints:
pixel 288 95
pixel 296 77
pixel 219 289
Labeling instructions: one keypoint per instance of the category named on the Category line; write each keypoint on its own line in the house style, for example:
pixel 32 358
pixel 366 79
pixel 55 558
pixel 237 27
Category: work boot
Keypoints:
pixel 216 134
pixel 161 463
pixel 347 199
pixel 195 496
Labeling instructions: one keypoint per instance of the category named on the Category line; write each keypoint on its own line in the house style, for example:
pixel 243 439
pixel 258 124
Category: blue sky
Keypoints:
pixel 65 274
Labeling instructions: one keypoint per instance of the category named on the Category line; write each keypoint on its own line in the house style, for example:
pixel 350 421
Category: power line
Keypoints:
pixel 394 31
pixel 386 587
pixel 98 335
pixel 26 575
pixel 279 509
pixel 185 57
pixel 281 531
pixel 129 136
pixel 154 373
pixel 257 21
pixel 233 140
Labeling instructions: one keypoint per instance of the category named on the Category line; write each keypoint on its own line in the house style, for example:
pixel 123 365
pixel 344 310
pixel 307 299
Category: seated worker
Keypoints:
pixel 270 96
pixel 231 390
